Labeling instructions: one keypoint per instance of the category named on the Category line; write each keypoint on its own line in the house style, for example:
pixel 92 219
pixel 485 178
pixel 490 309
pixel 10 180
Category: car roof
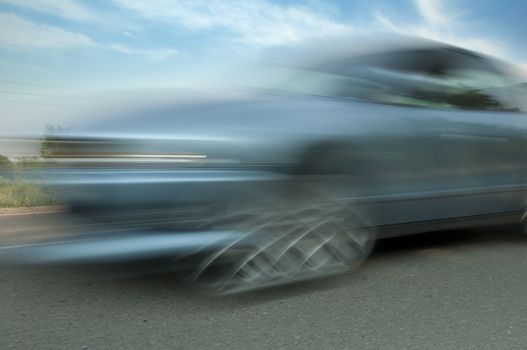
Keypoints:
pixel 320 53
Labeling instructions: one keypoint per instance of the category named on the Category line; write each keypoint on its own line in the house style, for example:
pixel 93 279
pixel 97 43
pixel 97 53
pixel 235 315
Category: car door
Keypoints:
pixel 463 148
pixel 479 136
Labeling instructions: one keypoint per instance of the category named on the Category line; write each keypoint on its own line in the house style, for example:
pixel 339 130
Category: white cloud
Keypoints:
pixel 63 8
pixel 442 23
pixel 20 33
pixel 256 23
pixel 433 12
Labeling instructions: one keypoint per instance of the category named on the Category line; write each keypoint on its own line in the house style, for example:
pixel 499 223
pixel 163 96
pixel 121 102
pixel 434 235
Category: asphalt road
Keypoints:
pixel 455 290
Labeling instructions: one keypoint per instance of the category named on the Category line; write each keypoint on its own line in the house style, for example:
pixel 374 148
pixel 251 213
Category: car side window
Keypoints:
pixel 438 78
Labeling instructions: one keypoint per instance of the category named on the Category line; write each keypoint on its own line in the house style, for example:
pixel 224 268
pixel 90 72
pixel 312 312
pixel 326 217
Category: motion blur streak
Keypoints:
pixel 111 247
pixel 295 176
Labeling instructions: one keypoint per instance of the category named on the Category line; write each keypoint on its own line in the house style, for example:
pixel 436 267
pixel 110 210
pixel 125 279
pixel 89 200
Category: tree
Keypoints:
pixel 47 143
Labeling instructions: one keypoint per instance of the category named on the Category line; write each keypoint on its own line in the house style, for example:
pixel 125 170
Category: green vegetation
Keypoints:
pixel 47 146
pixel 15 194
pixel 15 191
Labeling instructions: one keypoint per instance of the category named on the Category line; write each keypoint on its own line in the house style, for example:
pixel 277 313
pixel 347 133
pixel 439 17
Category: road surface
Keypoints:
pixel 455 290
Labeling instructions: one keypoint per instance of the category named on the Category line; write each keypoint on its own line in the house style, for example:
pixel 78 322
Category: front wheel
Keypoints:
pixel 293 231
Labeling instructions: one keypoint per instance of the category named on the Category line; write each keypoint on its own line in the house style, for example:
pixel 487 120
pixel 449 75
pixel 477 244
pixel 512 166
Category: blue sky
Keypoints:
pixel 73 47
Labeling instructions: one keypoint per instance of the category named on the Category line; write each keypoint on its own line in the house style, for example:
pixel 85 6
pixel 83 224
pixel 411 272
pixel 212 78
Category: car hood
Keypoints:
pixel 234 115
pixel 253 127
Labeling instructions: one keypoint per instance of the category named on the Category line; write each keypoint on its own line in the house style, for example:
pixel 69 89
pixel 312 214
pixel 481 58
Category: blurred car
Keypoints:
pixel 296 180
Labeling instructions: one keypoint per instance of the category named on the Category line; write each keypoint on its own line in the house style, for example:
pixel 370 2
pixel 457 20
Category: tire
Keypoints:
pixel 306 228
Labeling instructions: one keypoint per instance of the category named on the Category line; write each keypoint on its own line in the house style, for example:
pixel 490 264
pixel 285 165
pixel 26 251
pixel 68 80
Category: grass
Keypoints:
pixel 19 193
